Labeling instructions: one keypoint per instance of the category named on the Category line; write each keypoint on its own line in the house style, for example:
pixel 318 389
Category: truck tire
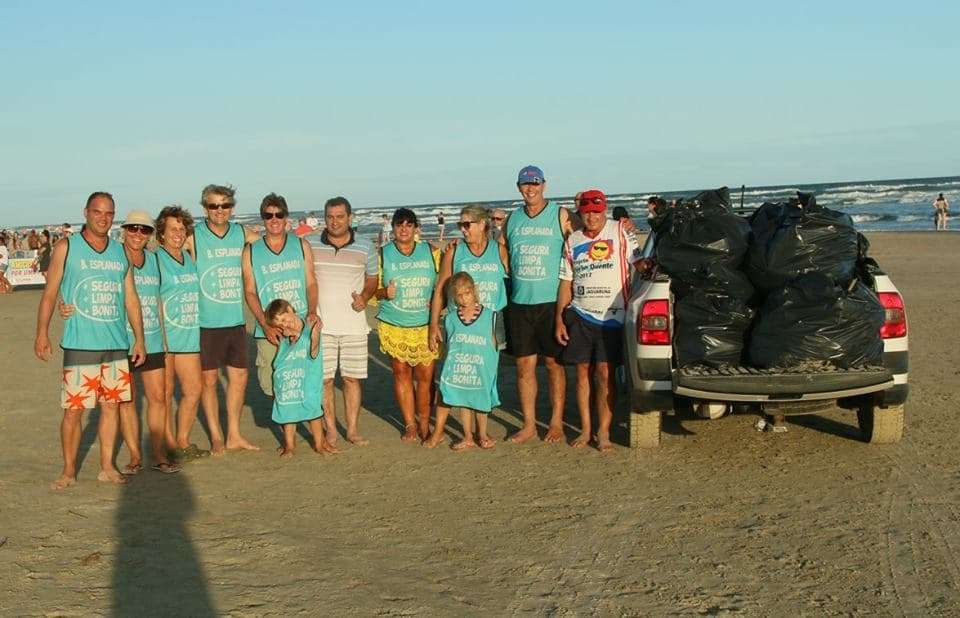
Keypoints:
pixel 645 429
pixel 880 425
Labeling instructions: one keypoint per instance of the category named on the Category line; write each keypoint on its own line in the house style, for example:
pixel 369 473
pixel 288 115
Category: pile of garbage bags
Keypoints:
pixel 786 286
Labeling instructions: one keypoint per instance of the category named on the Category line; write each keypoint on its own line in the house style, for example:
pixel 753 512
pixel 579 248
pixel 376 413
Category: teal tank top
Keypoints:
pixel 279 275
pixel 487 272
pixel 536 247
pixel 297 381
pixel 414 276
pixel 221 280
pixel 469 375
pixel 179 294
pixel 147 280
pixel 93 283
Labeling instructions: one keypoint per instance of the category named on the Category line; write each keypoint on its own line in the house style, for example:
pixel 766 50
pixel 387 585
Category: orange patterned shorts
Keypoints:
pixel 92 377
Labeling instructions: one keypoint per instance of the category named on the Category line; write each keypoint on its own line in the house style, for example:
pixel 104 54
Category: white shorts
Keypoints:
pixel 346 352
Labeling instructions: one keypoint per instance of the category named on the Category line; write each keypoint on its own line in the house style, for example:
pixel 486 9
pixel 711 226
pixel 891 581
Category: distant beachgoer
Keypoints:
pixel 619 212
pixel 468 379
pixel 43 253
pixel 440 225
pixel 4 264
pixel 385 227
pixel 302 228
pixel 498 217
pixel 942 211
pixel 67 229
pixel 93 273
pixel 297 385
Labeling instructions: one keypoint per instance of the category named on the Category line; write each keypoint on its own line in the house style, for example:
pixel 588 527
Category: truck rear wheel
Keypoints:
pixel 645 429
pixel 880 425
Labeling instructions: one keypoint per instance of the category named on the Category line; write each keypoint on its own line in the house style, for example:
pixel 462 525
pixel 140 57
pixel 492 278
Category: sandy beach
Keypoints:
pixel 720 519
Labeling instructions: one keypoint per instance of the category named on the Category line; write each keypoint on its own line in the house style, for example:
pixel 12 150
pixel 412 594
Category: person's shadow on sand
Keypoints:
pixel 156 570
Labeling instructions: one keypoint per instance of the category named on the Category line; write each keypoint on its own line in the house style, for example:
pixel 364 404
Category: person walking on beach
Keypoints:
pixel 92 273
pixel 279 265
pixel 535 235
pixel 942 209
pixel 440 226
pixel 217 245
pixel 594 286
pixel 408 275
pixel 345 266
pixel 385 227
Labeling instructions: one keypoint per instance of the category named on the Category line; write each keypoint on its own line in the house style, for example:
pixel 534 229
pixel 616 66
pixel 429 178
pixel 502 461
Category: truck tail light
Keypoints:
pixel 653 328
pixel 895 319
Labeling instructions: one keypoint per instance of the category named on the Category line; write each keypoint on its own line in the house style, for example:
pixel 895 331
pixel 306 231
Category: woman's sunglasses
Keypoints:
pixel 273 215
pixel 146 230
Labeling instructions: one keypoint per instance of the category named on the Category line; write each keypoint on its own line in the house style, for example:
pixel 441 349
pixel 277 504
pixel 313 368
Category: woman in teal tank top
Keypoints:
pixel 408 272
pixel 297 377
pixel 179 297
pixel 483 259
pixel 469 375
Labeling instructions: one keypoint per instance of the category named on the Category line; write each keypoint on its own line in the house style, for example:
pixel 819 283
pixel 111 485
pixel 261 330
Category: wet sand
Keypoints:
pixel 719 519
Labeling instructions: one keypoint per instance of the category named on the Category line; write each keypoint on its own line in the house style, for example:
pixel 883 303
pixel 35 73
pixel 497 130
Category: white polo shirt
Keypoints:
pixel 339 273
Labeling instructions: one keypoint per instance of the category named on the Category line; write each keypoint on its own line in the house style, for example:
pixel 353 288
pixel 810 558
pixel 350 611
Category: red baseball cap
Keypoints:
pixel 592 200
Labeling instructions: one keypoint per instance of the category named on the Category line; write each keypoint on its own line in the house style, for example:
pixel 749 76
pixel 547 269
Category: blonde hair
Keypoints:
pixel 479 213
pixel 460 281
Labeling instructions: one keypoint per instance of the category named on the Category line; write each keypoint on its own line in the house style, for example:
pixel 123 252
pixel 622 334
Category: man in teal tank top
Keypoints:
pixel 217 246
pixel 534 235
pixel 279 265
pixel 93 274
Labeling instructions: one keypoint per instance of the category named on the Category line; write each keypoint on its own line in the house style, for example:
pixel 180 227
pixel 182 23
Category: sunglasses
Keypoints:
pixel 146 230
pixel 497 218
pixel 273 215
pixel 218 206
pixel 585 201
pixel 465 224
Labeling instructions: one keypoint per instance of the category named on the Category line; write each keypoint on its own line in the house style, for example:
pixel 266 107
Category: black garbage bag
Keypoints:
pixel 701 245
pixel 710 329
pixel 794 238
pixel 814 319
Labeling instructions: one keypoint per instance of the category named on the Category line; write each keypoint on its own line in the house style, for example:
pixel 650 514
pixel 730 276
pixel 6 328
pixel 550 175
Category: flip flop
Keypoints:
pixel 131 469
pixel 196 452
pixel 166 468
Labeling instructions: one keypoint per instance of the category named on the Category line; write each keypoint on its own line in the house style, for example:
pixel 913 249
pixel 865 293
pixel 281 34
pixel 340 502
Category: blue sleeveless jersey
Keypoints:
pixel 147 280
pixel 414 276
pixel 179 295
pixel 279 275
pixel 487 272
pixel 93 283
pixel 536 247
pixel 469 375
pixel 297 381
pixel 221 280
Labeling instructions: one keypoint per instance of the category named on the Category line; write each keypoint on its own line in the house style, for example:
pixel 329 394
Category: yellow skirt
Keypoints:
pixel 406 344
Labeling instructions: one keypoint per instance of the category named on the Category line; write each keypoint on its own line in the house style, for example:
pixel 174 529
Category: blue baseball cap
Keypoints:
pixel 530 175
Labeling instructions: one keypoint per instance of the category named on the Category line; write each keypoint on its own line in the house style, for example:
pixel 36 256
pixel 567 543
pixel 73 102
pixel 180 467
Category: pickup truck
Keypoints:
pixel 657 386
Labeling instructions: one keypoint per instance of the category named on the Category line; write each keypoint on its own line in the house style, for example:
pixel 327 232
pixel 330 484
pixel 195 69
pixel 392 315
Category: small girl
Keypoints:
pixel 469 375
pixel 297 378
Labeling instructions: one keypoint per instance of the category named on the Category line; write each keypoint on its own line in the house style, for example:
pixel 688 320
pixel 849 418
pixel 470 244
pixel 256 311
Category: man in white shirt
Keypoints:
pixel 595 274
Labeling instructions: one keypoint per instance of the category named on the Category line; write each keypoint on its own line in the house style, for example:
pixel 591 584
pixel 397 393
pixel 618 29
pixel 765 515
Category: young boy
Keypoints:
pixel 469 375
pixel 297 378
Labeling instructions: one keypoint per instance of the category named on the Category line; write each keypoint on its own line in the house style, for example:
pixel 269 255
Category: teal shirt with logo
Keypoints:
pixel 147 279
pixel 297 381
pixel 279 275
pixel 179 296
pixel 487 272
pixel 536 247
pixel 221 278
pixel 93 283
pixel 469 375
pixel 413 276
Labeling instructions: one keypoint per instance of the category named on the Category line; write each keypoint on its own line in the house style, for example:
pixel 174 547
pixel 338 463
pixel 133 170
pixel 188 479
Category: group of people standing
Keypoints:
pixel 550 285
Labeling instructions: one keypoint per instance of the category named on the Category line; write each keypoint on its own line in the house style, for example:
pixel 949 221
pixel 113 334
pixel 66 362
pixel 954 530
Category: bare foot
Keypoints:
pixel 111 476
pixel 285 451
pixel 463 445
pixel 603 444
pixel 357 440
pixel 409 434
pixel 486 442
pixel 424 432
pixel 63 482
pixel 581 441
pixel 132 468
pixel 327 449
pixel 241 444
pixel 554 434
pixel 434 440
pixel 217 449
pixel 523 435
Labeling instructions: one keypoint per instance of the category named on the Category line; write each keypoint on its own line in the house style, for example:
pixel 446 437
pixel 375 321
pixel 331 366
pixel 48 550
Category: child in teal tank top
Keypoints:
pixel 297 378
pixel 469 375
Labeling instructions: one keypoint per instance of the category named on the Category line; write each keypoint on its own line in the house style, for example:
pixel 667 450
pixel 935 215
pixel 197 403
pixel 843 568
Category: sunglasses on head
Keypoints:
pixel 227 206
pixel 584 201
pixel 273 215
pixel 146 230
pixel 465 224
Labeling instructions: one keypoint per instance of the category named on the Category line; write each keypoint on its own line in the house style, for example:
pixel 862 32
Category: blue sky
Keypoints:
pixel 423 102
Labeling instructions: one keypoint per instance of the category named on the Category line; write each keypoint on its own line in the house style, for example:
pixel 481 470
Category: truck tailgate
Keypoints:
pixel 752 384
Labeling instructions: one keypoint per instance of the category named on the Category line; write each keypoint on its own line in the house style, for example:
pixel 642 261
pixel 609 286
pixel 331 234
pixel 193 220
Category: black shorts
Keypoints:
pixel 153 361
pixel 221 347
pixel 530 330
pixel 591 343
